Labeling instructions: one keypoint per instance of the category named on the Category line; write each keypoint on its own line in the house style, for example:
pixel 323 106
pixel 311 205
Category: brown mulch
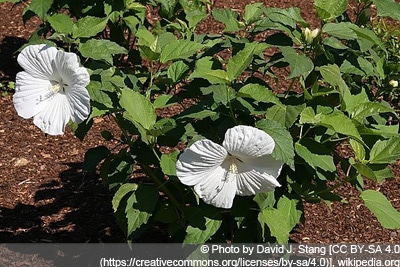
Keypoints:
pixel 44 196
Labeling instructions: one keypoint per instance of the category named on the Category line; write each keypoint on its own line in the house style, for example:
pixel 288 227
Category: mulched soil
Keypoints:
pixel 44 196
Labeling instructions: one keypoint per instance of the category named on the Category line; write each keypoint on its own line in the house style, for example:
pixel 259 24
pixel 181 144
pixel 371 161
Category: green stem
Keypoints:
pixel 228 96
pixel 162 186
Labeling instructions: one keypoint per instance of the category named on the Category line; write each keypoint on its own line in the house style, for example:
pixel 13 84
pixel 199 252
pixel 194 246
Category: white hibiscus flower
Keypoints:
pixel 243 165
pixel 51 89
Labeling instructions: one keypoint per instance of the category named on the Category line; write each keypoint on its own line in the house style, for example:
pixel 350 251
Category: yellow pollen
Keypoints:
pixel 233 166
pixel 57 87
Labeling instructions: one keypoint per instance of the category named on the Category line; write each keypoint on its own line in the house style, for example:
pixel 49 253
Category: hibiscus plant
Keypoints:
pixel 223 135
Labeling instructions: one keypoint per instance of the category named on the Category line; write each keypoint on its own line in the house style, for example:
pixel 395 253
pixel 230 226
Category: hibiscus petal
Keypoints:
pixel 248 141
pixel 257 175
pixel 80 103
pixel 70 70
pixel 37 60
pixel 218 188
pixel 197 161
pixel 31 94
pixel 53 119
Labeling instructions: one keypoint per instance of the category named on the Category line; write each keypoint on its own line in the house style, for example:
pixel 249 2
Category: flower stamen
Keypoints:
pixel 233 168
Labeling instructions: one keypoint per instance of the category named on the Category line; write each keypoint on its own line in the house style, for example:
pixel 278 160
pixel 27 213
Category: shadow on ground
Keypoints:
pixel 8 63
pixel 72 208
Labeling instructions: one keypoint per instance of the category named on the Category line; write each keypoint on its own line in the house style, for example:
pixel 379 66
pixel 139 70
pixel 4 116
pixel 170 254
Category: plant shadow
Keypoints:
pixel 72 209
pixel 8 53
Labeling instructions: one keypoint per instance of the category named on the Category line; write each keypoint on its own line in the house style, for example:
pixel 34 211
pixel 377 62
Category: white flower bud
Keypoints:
pixel 394 83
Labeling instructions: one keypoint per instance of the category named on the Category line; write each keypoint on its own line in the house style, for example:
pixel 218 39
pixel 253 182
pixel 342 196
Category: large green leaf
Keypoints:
pixel 315 160
pixel 385 151
pixel 300 65
pixel 228 17
pixel 364 110
pixel 328 10
pixel 139 207
pixel 195 235
pixel 283 140
pixel 285 115
pixel 388 216
pixel 259 93
pixel 88 27
pixel 139 109
pixel 101 49
pixel 204 69
pixel 168 162
pixel 252 12
pixel 340 123
pixel 341 30
pixel 388 8
pixel 179 49
pixel 281 221
pixel 61 22
pixel 121 193
pixel 40 7
pixel 177 70
pixel 239 62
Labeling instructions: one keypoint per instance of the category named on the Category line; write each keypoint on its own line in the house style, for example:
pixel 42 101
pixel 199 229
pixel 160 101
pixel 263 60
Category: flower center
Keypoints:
pixel 58 87
pixel 233 168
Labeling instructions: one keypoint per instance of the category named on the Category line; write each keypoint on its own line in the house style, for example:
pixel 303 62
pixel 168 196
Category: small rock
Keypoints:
pixel 19 162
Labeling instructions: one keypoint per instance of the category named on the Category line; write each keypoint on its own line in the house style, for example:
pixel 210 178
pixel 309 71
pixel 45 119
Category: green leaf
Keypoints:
pixel 300 65
pixel 388 216
pixel 162 101
pixel 239 62
pixel 363 169
pixel 252 12
pixel 340 123
pixel 283 141
pixel 179 49
pixel 88 27
pixel 259 93
pixel 121 193
pixel 61 23
pixel 140 206
pixel 308 116
pixel 168 163
pixel 364 110
pixel 132 22
pixel 315 160
pixel 358 149
pixel 177 70
pixel 388 8
pixel 204 69
pixel 341 30
pixel 289 208
pixel 385 151
pixel 93 157
pixel 285 115
pixel 328 10
pixel 221 93
pixel 265 199
pixel 282 220
pixel 228 17
pixel 277 224
pixel 195 235
pixel 40 7
pixel 139 109
pixel 101 49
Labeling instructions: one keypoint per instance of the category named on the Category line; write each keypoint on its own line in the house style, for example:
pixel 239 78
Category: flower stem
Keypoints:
pixel 228 96
pixel 162 186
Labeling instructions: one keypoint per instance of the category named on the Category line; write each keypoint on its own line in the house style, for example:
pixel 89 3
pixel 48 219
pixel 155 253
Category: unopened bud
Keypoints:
pixel 394 83
pixel 309 35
